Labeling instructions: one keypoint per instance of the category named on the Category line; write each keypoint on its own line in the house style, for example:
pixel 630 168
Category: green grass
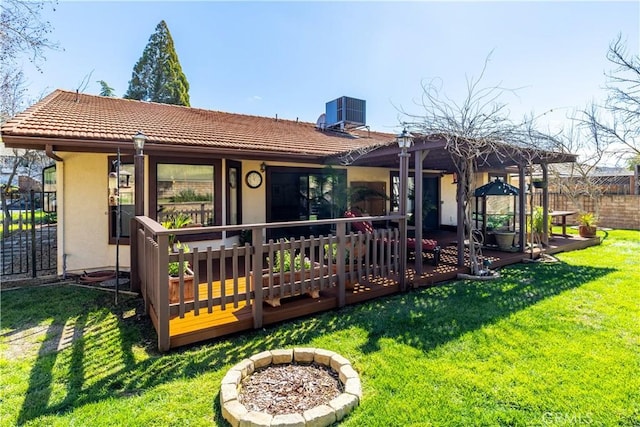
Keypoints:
pixel 21 220
pixel 547 344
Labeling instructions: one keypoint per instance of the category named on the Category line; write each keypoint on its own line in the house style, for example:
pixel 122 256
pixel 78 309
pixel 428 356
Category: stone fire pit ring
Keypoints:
pixel 323 415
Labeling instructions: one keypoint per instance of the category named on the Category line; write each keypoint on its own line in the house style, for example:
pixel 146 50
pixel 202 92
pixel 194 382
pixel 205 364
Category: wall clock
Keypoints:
pixel 253 179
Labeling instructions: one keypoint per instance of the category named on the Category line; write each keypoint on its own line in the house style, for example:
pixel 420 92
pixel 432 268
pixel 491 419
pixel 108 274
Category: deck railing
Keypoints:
pixel 244 275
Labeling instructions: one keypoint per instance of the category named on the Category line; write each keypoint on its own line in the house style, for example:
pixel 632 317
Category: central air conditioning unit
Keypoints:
pixel 345 113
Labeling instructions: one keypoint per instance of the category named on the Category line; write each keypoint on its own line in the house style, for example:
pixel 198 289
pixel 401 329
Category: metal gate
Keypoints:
pixel 29 240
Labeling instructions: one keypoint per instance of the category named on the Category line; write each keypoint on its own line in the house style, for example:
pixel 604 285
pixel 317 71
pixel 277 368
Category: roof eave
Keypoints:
pixel 150 148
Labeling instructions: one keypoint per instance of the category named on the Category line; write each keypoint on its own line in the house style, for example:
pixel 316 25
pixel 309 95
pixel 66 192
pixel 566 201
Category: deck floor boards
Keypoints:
pixel 192 328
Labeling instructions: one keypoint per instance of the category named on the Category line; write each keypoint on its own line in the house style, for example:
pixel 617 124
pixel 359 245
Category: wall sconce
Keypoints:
pixel 455 178
pixel 263 167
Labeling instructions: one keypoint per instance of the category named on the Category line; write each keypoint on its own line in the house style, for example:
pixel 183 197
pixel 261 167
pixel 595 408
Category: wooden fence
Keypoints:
pixel 255 273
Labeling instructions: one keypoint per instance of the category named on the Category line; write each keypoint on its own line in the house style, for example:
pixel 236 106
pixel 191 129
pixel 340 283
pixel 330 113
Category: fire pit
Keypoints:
pixel 327 363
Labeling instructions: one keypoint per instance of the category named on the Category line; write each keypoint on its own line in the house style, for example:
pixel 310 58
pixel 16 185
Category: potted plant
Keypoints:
pixel 176 220
pixel 174 277
pixel 537 226
pixel 587 224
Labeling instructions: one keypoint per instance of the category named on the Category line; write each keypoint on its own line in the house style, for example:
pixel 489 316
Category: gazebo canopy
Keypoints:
pixel 496 188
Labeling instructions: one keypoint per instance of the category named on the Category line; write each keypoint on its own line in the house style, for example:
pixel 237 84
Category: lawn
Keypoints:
pixel 21 220
pixel 547 344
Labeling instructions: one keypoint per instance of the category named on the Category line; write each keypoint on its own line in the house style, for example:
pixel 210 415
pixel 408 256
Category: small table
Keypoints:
pixel 563 215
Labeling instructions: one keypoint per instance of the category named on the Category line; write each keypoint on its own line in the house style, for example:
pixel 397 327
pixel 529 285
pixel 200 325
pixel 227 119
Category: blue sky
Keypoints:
pixel 289 58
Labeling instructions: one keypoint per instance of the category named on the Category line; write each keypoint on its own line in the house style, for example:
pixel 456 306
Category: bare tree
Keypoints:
pixel 23 31
pixel 473 130
pixel 617 122
pixel 578 181
pixel 13 98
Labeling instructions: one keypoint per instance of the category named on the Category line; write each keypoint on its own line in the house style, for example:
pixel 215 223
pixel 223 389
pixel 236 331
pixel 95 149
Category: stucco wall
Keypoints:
pixel 83 226
pixel 83 231
pixel 254 208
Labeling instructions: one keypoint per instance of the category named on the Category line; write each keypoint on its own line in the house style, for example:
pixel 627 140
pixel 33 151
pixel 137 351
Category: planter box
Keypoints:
pixel 174 288
pixel 291 279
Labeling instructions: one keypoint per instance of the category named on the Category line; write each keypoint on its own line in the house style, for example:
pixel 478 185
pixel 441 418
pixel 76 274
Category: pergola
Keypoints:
pixel 431 153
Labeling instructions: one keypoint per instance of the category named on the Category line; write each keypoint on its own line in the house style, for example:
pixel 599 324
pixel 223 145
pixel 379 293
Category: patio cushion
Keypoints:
pixel 363 226
pixel 427 244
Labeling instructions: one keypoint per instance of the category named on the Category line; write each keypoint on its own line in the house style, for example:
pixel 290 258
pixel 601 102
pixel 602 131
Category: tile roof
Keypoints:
pixel 66 115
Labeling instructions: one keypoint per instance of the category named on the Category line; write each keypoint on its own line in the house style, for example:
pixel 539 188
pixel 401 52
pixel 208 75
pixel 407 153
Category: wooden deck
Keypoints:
pixel 237 316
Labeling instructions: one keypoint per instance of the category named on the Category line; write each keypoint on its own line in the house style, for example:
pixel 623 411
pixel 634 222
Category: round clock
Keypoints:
pixel 253 179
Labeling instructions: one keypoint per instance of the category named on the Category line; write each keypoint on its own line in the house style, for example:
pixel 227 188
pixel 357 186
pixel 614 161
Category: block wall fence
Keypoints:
pixel 616 211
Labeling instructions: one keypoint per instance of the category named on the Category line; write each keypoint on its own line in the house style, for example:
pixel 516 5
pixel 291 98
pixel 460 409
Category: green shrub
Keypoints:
pixel 190 195
pixel 174 267
pixel 283 263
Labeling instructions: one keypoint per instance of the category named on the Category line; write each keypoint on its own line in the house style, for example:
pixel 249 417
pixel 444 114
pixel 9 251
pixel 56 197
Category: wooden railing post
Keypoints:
pixel 256 277
pixel 134 275
pixel 341 228
pixel 148 254
pixel 162 291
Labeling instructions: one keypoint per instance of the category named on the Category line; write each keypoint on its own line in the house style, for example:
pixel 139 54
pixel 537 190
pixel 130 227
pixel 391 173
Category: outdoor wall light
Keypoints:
pixel 263 167
pixel 138 142
pixel 404 139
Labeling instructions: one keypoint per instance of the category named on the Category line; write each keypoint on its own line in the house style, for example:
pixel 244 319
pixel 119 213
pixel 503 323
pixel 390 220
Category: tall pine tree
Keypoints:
pixel 158 76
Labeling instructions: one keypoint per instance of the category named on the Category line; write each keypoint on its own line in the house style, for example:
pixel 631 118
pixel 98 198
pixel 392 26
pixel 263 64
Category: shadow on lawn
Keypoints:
pixel 423 319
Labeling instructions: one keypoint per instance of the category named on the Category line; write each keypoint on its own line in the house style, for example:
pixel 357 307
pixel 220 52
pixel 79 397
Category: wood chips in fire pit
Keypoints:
pixel 289 388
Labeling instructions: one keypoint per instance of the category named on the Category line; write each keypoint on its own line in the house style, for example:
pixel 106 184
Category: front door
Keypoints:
pixel 430 199
pixel 430 203
pixel 300 194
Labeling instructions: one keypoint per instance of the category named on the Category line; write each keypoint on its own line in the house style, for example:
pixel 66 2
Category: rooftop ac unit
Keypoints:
pixel 345 112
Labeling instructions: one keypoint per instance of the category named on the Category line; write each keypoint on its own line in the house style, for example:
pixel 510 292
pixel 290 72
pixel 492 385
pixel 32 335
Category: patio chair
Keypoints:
pixel 428 245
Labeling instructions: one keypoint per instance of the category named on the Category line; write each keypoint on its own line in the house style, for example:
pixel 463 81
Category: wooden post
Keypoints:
pixel 460 220
pixel 418 194
pixel 522 193
pixel 341 228
pixel 545 205
pixel 256 277
pixel 404 180
pixel 162 303
pixel 138 199
pixel 146 275
pixel 134 275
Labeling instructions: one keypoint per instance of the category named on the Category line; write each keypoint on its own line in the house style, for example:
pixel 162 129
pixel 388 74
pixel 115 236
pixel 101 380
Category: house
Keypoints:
pixel 229 172
pixel 246 169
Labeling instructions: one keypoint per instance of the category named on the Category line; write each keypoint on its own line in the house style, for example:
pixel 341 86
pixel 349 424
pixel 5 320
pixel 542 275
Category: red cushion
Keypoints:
pixel 427 244
pixel 363 226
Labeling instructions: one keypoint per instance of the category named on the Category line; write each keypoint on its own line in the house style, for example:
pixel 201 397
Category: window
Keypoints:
pixel 497 176
pixel 124 187
pixel 234 194
pixel 295 194
pixel 49 201
pixel 430 199
pixel 187 189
